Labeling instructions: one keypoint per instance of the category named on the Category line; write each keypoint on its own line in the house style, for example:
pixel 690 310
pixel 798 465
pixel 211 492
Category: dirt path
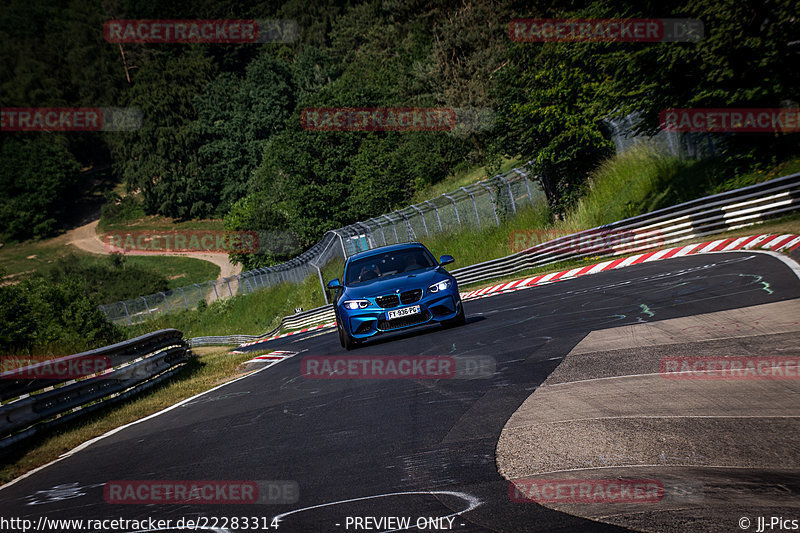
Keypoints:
pixel 85 238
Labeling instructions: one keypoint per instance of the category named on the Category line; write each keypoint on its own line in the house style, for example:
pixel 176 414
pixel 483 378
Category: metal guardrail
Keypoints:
pixel 292 322
pixel 705 216
pixel 698 218
pixel 31 404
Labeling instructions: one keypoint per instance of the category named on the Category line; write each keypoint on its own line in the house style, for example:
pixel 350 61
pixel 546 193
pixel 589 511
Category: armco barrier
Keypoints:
pixel 296 321
pixel 30 405
pixel 705 216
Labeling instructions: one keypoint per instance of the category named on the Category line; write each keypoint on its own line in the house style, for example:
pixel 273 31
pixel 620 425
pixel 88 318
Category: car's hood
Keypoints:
pixel 421 279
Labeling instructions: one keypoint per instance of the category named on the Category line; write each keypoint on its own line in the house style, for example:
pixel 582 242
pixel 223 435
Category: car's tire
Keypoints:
pixel 347 342
pixel 459 320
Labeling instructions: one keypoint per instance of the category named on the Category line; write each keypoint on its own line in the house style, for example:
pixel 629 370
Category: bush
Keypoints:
pixel 42 317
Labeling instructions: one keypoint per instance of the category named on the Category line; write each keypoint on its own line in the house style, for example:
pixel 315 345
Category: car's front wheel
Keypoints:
pixel 347 342
pixel 459 320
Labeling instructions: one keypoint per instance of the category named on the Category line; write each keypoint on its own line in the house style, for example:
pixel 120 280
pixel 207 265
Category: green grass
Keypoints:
pixel 159 223
pixel 21 259
pixel 179 271
pixel 251 314
pixel 461 178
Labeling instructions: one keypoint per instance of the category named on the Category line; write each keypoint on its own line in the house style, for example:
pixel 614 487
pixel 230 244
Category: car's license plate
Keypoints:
pixel 397 313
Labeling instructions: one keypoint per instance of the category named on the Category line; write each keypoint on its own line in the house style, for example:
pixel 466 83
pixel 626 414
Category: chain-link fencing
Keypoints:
pixel 478 205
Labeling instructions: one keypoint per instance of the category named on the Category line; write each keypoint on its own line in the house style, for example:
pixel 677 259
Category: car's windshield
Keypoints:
pixel 388 264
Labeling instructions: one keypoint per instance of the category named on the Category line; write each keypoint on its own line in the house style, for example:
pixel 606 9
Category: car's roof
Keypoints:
pixel 384 249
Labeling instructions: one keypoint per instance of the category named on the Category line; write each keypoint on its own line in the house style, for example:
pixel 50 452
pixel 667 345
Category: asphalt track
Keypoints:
pixel 353 445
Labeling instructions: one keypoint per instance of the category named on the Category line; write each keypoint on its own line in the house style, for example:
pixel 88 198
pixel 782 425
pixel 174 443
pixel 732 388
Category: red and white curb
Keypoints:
pixel 786 242
pixel 304 330
pixel 274 357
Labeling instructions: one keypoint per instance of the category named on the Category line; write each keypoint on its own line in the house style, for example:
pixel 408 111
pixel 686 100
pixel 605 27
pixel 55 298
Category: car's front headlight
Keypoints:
pixel 442 285
pixel 356 304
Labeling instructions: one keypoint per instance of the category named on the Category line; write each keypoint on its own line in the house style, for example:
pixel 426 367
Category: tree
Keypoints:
pixel 37 177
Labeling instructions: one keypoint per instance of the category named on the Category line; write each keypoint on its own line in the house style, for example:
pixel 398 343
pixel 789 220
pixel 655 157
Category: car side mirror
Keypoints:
pixel 446 260
pixel 334 284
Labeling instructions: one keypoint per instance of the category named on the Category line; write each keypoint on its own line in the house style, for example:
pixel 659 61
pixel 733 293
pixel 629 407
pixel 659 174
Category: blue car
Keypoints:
pixel 393 288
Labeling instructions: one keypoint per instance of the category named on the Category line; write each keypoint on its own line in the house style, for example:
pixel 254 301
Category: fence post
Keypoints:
pixel 494 207
pixel 127 314
pixel 396 238
pixel 216 294
pixel 230 291
pixel 166 303
pixel 321 282
pixel 410 235
pixel 378 222
pixel 455 208
pixel 185 305
pixel 510 193
pixel 422 216
pixel 341 241
pixel 436 210
pixel 145 305
pixel 527 185
pixel 200 291
pixel 474 206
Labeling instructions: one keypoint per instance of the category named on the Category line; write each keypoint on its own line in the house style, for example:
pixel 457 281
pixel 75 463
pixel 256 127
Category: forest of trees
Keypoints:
pixel 221 134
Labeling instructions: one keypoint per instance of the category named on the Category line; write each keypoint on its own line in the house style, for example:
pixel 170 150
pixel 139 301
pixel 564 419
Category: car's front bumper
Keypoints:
pixel 434 307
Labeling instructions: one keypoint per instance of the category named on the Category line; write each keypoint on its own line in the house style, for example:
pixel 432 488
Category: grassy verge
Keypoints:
pixel 211 367
pixel 251 314
pixel 20 259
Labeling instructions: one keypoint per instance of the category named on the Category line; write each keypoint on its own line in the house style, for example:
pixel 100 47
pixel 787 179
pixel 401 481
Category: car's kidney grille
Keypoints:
pixel 405 321
pixel 409 297
pixel 391 300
